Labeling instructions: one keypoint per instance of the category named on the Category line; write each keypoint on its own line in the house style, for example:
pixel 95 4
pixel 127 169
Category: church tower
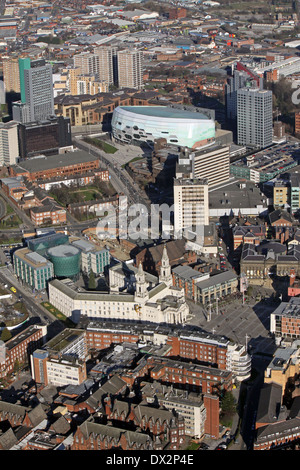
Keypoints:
pixel 165 269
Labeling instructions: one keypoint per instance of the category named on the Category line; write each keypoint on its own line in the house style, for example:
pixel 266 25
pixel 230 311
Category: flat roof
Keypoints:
pixel 164 112
pixel 43 162
pixel 30 257
pixel 86 246
pixel 63 251
pixel 63 339
pixel 216 279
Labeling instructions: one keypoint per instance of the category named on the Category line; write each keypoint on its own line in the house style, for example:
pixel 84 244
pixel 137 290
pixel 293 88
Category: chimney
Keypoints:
pixel 292 276
pixel 107 406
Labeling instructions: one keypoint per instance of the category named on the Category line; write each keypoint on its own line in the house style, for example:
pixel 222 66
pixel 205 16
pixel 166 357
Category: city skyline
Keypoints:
pixel 150 228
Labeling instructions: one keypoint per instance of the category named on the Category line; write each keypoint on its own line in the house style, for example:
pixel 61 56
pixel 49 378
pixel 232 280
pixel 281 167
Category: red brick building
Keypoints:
pixel 101 339
pixel 151 257
pixel 190 348
pixel 49 213
pixel 212 422
pixel 84 179
pixel 193 376
pixel 19 348
pixel 186 346
pixel 17 415
pixel 162 424
pixel 61 165
pixel 243 234
pixel 297 122
pixel 93 436
pixel 176 13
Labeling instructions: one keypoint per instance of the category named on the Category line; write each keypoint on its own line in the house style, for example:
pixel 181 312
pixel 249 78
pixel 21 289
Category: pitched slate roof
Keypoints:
pixel 110 432
pixel 37 415
pixel 269 403
pixel 279 214
pixel 8 440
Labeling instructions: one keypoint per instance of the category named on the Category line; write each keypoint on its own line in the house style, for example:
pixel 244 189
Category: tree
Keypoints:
pixel 17 366
pixel 92 281
pixel 228 405
pixel 5 335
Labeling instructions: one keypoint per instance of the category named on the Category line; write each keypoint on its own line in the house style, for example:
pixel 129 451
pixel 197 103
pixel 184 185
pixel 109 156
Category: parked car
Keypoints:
pixel 221 446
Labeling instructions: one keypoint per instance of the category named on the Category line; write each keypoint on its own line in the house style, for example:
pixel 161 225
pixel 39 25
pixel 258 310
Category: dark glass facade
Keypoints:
pixel 44 137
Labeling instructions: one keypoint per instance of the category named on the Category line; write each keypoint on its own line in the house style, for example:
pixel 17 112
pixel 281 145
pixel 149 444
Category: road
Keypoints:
pixel 21 214
pixel 2 208
pixel 33 307
pixel 120 179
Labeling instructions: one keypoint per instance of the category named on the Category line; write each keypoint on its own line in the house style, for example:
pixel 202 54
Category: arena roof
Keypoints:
pixel 164 112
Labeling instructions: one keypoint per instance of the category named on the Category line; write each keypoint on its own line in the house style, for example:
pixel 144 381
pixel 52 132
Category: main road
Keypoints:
pixel 34 309
pixel 120 179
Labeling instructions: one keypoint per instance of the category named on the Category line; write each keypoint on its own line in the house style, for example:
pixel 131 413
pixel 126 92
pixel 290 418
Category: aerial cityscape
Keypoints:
pixel 150 227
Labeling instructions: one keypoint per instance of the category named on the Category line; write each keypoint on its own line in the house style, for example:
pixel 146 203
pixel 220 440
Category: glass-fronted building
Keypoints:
pixel 66 261
pixel 137 124
pixel 32 268
pixel 42 244
pixel 93 258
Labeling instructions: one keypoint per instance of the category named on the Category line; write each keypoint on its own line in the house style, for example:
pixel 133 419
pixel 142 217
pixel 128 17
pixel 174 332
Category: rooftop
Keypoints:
pixel 63 251
pixel 164 112
pixel 63 339
pixel 216 279
pixel 43 163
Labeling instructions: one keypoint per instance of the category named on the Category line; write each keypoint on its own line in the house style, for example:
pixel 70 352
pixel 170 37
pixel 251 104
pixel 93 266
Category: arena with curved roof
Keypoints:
pixel 137 124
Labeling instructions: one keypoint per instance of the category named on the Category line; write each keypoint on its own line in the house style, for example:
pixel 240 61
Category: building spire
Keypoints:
pixel 165 269
pixel 141 285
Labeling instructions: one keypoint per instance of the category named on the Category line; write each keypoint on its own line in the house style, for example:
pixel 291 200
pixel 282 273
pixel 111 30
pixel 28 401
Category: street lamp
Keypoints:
pixel 209 313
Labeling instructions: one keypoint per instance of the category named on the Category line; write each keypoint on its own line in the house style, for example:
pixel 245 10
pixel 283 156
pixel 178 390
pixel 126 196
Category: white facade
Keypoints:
pixel 191 205
pixel 162 303
pixel 194 415
pixel 254 117
pixel 39 92
pixel 9 147
pixel 62 372
pixel 212 163
pixel 178 126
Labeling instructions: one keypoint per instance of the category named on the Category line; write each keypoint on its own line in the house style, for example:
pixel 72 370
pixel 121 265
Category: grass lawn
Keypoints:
pixel 89 194
pixel 193 446
pixel 9 209
pixel 10 221
pixel 101 144
pixel 60 316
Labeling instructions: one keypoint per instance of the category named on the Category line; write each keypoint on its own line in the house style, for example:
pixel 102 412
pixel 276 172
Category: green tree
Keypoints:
pixel 5 334
pixel 17 366
pixel 228 405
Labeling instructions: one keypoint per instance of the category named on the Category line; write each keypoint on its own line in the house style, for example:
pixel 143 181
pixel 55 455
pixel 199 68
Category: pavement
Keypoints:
pixel 247 323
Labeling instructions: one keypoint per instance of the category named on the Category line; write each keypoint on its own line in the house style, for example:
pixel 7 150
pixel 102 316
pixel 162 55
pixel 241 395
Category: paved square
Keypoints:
pixel 245 324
